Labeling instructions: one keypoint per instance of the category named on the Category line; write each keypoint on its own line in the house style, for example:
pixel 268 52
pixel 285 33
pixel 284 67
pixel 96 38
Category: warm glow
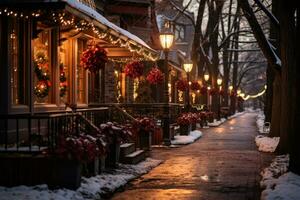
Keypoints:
pixel 188 66
pixel 166 40
pixel 208 88
pixel 230 87
pixel 190 83
pixel 219 81
pixel 242 95
pixel 206 76
pixel 239 92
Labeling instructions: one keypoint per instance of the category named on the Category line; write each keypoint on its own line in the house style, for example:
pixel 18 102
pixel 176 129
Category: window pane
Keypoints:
pixel 80 72
pixel 16 67
pixel 42 68
pixel 63 74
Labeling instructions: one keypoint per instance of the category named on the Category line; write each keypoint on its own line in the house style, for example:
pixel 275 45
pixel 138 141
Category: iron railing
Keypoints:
pixel 37 132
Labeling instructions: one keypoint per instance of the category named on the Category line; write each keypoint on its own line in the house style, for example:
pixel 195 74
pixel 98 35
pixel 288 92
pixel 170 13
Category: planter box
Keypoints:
pixel 113 155
pixel 185 129
pixel 145 140
pixel 65 173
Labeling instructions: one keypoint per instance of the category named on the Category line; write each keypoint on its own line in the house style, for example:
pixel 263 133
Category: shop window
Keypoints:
pixel 81 73
pixel 43 80
pixel 16 63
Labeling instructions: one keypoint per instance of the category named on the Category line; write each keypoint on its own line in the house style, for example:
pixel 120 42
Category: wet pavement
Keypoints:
pixel 222 165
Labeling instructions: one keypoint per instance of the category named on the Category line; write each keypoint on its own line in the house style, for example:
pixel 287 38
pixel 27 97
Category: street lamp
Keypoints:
pixel 238 92
pixel 166 41
pixel 230 88
pixel 206 76
pixel 219 82
pixel 188 66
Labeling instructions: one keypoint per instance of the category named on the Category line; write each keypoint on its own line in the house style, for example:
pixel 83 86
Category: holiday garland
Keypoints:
pixel 134 69
pixel 62 81
pixel 203 90
pixel 155 76
pixel 94 58
pixel 41 69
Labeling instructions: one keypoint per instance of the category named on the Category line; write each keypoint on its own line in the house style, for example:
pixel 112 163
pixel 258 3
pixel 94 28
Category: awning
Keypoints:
pixel 103 28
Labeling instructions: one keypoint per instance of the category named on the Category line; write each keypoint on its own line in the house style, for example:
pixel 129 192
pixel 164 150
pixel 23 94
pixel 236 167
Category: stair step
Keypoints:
pixel 125 149
pixel 134 157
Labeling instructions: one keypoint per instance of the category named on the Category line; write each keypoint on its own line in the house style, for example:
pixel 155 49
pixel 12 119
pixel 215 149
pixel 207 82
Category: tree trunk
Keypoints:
pixel 276 105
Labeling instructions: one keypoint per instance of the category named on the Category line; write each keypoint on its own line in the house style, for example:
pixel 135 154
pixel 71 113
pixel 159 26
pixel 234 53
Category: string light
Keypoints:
pixel 256 95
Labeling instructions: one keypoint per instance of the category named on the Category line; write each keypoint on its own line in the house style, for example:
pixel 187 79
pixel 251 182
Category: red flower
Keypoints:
pixel 203 90
pixel 195 86
pixel 94 58
pixel 134 69
pixel 182 85
pixel 155 76
pixel 213 92
pixel 222 93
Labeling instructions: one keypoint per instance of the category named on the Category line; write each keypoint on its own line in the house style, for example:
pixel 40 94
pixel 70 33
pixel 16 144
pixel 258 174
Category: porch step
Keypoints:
pixel 125 149
pixel 135 157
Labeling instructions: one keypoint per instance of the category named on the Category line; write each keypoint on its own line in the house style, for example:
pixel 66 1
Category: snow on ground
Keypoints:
pixel 278 183
pixel 266 144
pixel 260 120
pixel 91 188
pixel 236 115
pixel 186 139
pixel 217 123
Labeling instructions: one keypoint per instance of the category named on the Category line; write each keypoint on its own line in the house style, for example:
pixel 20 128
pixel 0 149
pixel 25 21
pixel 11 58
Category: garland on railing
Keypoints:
pixel 93 58
pixel 41 69
pixel 62 81
pixel 203 90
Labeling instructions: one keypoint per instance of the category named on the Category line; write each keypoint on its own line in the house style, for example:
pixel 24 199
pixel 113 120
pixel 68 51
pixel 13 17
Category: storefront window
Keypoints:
pixel 42 67
pixel 81 73
pixel 16 67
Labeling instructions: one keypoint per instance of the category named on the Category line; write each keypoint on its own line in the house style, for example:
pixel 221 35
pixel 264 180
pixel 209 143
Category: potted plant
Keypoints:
pixel 115 134
pixel 73 152
pixel 144 127
pixel 184 121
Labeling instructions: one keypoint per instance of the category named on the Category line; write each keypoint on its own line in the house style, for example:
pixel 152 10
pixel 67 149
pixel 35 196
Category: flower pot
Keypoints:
pixel 66 174
pixel 113 155
pixel 145 139
pixel 185 129
pixel 193 127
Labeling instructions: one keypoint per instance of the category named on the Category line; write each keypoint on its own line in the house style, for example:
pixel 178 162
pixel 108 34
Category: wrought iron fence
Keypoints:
pixel 34 133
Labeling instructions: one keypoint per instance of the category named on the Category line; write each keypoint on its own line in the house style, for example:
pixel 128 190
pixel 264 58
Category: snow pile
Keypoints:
pixel 217 123
pixel 186 139
pixel 278 184
pixel 260 120
pixel 266 144
pixel 91 188
pixel 236 115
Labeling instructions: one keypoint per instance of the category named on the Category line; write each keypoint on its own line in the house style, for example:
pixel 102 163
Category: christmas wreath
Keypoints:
pixel 134 69
pixel 155 76
pixel 41 69
pixel 182 85
pixel 62 81
pixel 195 86
pixel 94 58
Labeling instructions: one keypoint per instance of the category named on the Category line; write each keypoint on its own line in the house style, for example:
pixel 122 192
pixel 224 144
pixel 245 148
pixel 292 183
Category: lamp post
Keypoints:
pixel 166 41
pixel 219 83
pixel 188 66
pixel 206 78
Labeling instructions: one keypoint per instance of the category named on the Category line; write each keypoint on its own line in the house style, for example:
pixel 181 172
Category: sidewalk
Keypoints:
pixel 224 164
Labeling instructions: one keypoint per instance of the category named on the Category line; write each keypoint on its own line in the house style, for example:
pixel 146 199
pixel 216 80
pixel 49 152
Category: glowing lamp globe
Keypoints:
pixel 166 39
